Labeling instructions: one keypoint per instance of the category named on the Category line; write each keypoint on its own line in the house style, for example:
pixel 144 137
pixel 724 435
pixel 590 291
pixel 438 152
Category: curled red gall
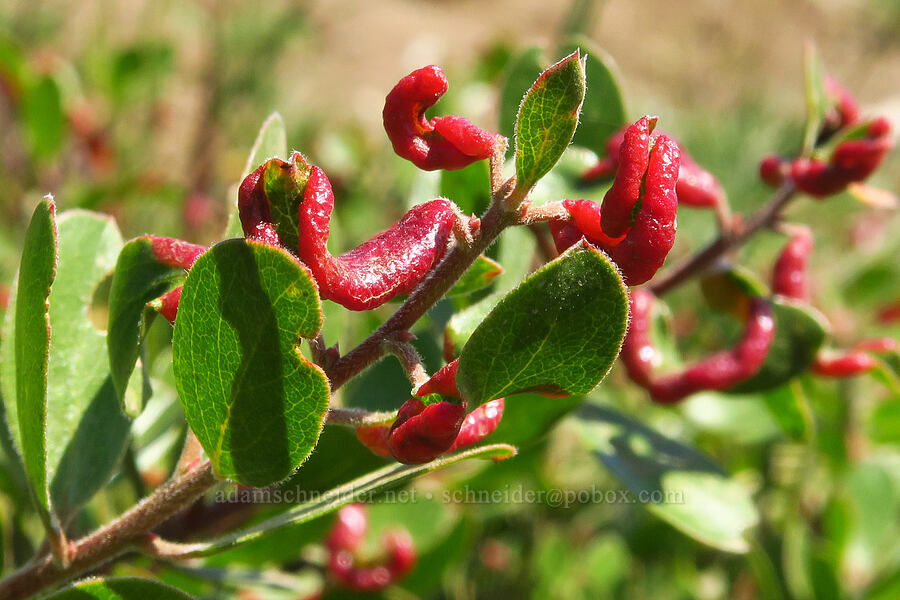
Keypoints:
pixel 289 204
pixel 696 187
pixel 851 161
pixel 789 277
pixel 479 424
pixel 422 433
pixel 398 553
pixel 641 231
pixel 450 142
pixel 719 371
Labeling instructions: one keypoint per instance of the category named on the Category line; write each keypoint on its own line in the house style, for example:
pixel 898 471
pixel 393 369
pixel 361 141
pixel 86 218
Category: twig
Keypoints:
pixel 112 540
pixel 358 417
pixel 410 361
pixel 767 216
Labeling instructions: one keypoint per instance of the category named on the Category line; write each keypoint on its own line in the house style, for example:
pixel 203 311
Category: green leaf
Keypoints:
pixel 790 407
pixel 603 113
pixel 119 588
pixel 816 99
pixel 271 142
pixel 26 349
pixel 799 333
pixel 480 275
pixel 528 417
pixel 138 278
pixel 469 188
pixel 729 290
pixel 80 420
pixel 256 404
pixel 558 332
pixel 360 488
pixel 547 119
pixel 525 69
pixel 676 483
pixel 43 118
pixel 884 423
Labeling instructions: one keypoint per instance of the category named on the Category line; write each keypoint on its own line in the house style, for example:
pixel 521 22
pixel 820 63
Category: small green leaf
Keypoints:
pixel 26 349
pixel 525 69
pixel 80 420
pixel 480 275
pixel 119 588
pixel 790 407
pixel 547 119
pixel 362 487
pixel 558 332
pixel 138 278
pixel 271 142
pixel 256 404
pixel 729 290
pixel 799 333
pixel 603 113
pixel 678 484
pixel 884 423
pixel 43 119
pixel 816 99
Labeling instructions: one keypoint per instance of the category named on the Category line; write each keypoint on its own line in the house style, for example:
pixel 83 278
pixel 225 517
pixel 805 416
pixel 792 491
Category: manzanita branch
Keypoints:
pixel 358 417
pixel 113 539
pixel 766 217
pixel 410 361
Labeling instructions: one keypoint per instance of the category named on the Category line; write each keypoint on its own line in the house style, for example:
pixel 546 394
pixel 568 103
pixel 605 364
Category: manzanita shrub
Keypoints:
pixel 257 378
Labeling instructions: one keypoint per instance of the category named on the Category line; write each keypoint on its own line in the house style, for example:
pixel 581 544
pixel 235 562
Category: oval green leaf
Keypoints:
pixel 138 278
pixel 25 353
pixel 119 588
pixel 558 332
pixel 547 119
pixel 800 331
pixel 80 420
pixel 678 484
pixel 256 404
pixel 480 275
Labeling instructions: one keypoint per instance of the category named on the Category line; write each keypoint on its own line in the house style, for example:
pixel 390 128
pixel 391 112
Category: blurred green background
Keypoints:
pixel 147 110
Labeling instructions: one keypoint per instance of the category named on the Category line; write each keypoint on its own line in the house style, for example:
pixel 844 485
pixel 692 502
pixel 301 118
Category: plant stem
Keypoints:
pixel 113 539
pixel 358 417
pixel 766 217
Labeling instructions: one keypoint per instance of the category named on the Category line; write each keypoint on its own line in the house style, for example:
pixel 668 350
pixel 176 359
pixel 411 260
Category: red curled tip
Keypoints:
pixel 167 304
pixel 375 438
pixel 443 382
pixel 173 252
pixel 450 142
pixel 422 433
pixel 847 364
pixel 479 424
